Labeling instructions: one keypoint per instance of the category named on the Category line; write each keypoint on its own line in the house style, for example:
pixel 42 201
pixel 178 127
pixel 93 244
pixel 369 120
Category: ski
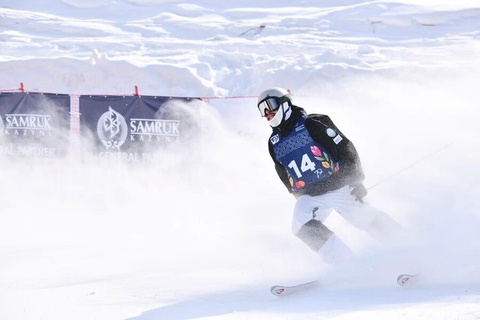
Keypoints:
pixel 280 290
pixel 405 279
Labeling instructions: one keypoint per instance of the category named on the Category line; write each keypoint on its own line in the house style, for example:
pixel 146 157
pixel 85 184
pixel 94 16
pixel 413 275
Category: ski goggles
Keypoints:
pixel 269 104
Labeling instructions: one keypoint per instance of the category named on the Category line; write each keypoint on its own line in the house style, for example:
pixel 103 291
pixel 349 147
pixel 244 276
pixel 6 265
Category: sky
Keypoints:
pixel 205 232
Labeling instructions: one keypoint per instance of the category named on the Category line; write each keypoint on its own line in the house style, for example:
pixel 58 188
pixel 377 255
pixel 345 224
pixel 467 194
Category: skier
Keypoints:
pixel 322 169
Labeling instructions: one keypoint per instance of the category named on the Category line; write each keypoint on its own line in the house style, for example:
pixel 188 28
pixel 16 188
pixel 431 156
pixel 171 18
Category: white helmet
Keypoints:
pixel 273 99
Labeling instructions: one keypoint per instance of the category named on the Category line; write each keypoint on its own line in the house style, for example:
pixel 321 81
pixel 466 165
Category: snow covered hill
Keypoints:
pixel 204 233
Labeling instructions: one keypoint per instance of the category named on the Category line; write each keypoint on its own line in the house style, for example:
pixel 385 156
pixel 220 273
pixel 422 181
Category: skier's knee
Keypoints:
pixel 314 234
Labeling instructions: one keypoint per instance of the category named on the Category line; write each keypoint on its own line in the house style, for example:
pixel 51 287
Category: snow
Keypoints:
pixel 205 232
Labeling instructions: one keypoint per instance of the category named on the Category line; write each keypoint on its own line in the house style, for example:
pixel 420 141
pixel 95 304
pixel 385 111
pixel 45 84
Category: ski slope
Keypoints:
pixel 205 233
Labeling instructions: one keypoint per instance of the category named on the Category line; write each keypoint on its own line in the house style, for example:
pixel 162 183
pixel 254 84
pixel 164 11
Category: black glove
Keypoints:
pixel 359 191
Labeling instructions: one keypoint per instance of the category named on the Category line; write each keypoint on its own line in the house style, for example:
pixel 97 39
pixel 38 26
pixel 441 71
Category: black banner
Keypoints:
pixel 129 128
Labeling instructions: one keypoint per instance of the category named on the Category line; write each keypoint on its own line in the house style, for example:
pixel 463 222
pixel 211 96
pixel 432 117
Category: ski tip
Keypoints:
pixel 404 279
pixel 278 291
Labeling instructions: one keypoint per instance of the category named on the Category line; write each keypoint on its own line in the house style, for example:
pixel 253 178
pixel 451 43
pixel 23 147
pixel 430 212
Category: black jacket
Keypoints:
pixel 350 173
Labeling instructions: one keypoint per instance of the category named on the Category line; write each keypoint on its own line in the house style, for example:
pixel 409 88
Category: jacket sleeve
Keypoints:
pixel 341 149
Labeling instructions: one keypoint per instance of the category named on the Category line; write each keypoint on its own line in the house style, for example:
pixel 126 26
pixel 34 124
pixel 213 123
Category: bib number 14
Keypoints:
pixel 305 165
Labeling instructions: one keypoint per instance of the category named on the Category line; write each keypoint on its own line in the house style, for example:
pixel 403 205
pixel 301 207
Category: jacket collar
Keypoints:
pixel 287 126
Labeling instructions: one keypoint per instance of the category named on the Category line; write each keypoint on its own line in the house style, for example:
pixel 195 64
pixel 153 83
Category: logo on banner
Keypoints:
pixel 27 125
pixel 112 129
pixel 154 130
pixel 34 128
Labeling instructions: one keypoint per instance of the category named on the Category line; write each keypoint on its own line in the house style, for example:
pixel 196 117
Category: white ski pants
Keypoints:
pixel 310 213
